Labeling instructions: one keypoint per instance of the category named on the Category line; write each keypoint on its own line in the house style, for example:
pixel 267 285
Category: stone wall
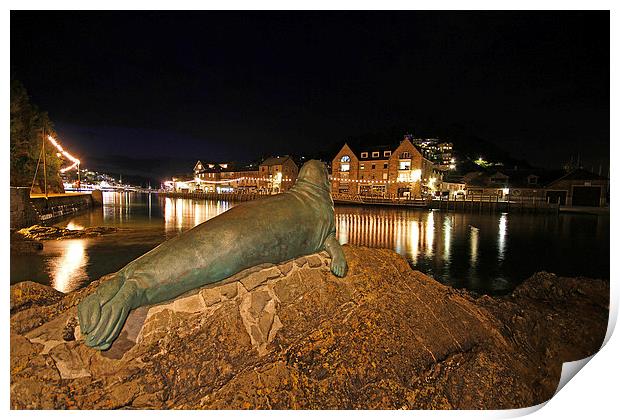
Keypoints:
pixel 26 211
pixel 59 206
pixel 23 214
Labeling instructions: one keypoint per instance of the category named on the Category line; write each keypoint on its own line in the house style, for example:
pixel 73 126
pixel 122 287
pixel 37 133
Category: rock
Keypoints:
pixel 28 293
pixel 314 261
pixel 39 232
pixel 20 245
pixel 68 334
pixel 383 337
pixel 255 279
pixel 285 268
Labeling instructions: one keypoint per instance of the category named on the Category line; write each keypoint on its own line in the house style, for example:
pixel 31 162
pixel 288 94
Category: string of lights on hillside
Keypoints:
pixel 64 153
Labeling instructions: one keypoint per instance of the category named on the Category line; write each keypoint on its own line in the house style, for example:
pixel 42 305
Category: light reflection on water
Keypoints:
pixel 74 226
pixel 488 253
pixel 501 237
pixel 68 271
pixel 473 246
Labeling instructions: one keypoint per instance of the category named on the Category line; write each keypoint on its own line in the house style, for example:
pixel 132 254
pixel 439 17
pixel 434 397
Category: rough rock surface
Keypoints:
pixel 295 336
pixel 22 245
pixel 39 232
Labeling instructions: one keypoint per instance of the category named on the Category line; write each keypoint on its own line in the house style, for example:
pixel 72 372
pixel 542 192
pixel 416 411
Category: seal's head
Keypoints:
pixel 315 173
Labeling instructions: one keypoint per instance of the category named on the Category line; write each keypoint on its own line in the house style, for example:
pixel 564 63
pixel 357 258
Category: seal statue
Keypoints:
pixel 278 228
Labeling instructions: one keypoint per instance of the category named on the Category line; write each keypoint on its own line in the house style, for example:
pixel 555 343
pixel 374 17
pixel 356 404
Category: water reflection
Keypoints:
pixel 501 237
pixel 74 226
pixel 182 214
pixel 447 240
pixel 473 246
pixel 405 234
pixel 69 270
pixel 414 237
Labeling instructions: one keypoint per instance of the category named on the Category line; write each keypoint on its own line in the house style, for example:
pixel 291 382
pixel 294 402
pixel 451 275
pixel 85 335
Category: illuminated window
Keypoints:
pixel 362 166
pixel 344 167
pixel 404 165
pixel 345 158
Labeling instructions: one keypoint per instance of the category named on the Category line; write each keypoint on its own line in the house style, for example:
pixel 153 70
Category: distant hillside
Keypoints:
pixel 140 171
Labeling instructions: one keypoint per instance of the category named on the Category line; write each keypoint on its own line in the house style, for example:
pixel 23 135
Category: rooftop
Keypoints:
pixel 278 160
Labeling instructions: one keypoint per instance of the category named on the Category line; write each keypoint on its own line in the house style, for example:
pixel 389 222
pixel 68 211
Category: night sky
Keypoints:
pixel 239 85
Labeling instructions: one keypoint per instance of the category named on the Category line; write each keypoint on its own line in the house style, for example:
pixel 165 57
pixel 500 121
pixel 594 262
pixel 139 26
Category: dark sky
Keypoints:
pixel 237 85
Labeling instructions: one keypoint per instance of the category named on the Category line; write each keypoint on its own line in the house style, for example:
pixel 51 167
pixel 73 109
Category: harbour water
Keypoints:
pixel 485 253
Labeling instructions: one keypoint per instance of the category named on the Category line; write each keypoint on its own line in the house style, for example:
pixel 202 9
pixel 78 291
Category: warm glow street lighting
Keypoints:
pixel 75 161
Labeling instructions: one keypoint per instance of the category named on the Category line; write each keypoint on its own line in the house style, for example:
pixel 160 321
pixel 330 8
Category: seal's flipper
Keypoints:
pixel 89 309
pixel 112 315
pixel 339 263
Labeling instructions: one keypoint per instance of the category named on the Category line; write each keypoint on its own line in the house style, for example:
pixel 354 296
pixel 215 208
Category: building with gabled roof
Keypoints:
pixel 580 188
pixel 280 171
pixel 385 170
pixel 575 188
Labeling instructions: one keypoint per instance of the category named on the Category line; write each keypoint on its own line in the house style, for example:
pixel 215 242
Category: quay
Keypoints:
pixel 213 195
pixel 479 203
pixel 29 209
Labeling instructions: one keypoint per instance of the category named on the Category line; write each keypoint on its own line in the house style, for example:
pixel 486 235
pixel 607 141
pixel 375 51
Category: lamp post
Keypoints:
pixel 44 167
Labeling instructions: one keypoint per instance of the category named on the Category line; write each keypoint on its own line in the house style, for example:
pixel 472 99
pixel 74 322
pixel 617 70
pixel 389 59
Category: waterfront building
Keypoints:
pixel 280 173
pixel 577 187
pixel 388 170
pixel 241 178
pixel 438 152
pixel 273 175
pixel 503 183
pixel 452 186
pixel 226 177
pixel 205 176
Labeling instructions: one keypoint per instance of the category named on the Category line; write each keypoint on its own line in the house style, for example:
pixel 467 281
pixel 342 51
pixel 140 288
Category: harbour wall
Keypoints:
pixel 27 211
pixel 483 204
pixel 23 213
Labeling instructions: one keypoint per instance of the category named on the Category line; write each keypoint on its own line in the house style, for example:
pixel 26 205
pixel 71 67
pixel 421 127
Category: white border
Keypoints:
pixel 593 394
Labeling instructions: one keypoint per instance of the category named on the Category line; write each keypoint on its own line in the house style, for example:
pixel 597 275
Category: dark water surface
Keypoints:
pixel 486 253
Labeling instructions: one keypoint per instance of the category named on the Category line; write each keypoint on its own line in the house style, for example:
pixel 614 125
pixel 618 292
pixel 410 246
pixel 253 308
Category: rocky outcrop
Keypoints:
pixel 39 232
pixel 295 336
pixel 20 245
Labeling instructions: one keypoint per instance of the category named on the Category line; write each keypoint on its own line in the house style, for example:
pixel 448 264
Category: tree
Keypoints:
pixel 27 126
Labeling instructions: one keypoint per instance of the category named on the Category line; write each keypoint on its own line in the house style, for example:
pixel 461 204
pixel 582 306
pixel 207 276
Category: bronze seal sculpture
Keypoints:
pixel 275 229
